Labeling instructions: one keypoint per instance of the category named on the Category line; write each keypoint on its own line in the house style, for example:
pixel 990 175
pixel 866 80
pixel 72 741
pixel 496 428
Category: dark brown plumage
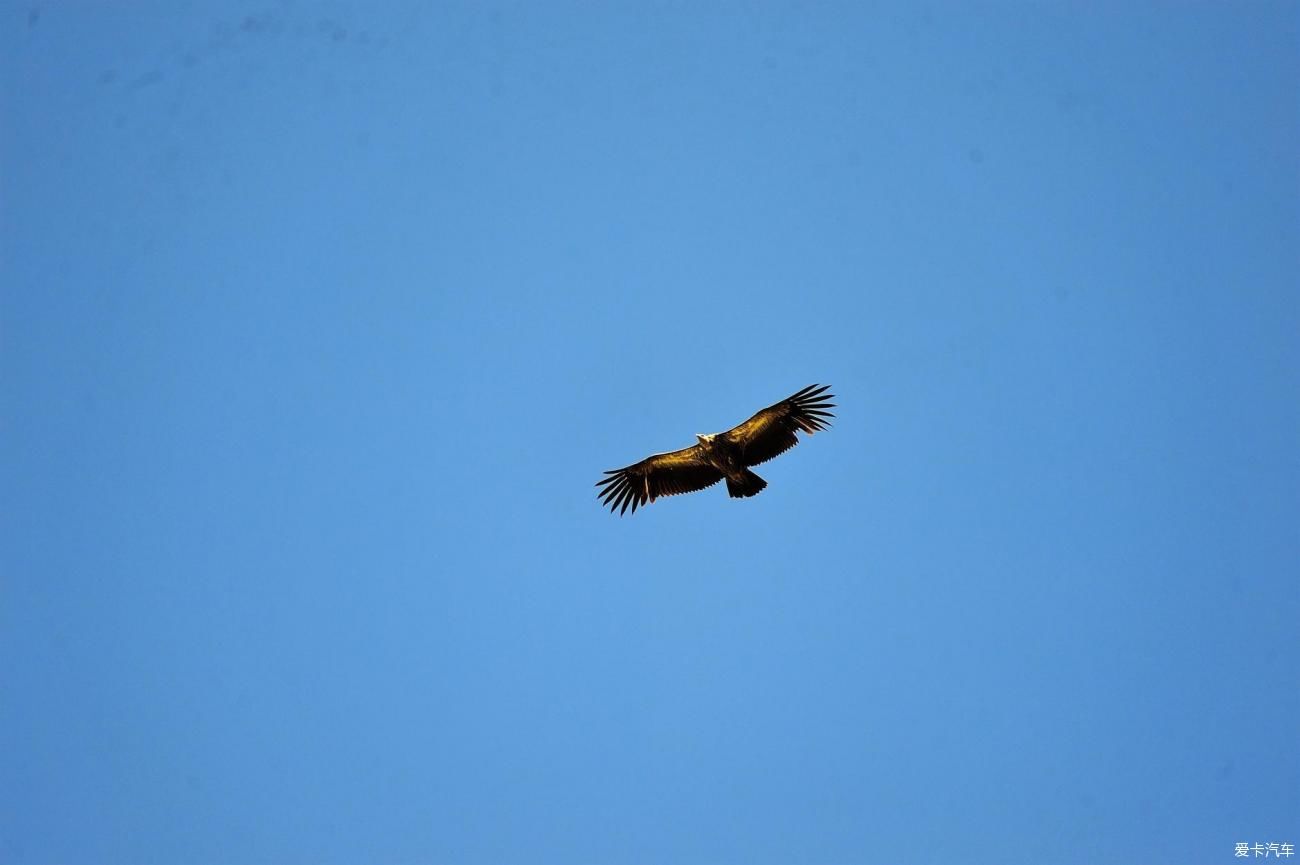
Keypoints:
pixel 769 433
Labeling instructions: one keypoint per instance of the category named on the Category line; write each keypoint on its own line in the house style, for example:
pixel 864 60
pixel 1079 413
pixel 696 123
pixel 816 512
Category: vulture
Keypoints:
pixel 771 432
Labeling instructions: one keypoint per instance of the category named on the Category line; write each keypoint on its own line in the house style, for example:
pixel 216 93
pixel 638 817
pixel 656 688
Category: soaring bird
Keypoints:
pixel 728 455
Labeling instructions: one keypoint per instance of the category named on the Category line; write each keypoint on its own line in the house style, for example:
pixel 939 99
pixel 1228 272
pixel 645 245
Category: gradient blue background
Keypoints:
pixel 321 319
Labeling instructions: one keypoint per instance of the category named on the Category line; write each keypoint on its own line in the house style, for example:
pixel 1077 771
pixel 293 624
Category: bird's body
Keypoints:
pixel 728 458
pixel 728 455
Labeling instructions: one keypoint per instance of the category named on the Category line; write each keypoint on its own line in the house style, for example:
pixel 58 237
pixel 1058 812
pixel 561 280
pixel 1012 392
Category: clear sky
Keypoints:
pixel 321 319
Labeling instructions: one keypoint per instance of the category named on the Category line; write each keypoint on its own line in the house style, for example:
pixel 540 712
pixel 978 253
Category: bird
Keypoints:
pixel 769 433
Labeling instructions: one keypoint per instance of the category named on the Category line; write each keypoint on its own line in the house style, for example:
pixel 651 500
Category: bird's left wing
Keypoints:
pixel 669 474
pixel 773 430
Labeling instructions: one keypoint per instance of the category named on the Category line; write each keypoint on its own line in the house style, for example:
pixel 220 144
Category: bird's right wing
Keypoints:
pixel 773 430
pixel 669 474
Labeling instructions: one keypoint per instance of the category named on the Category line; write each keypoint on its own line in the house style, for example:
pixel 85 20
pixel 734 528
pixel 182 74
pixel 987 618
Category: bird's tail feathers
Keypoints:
pixel 745 485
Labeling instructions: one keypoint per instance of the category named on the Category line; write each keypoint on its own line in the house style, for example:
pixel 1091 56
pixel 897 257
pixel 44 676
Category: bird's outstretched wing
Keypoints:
pixel 669 474
pixel 773 430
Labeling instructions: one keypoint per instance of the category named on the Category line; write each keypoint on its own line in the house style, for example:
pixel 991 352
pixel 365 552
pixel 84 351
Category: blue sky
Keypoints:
pixel 320 320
